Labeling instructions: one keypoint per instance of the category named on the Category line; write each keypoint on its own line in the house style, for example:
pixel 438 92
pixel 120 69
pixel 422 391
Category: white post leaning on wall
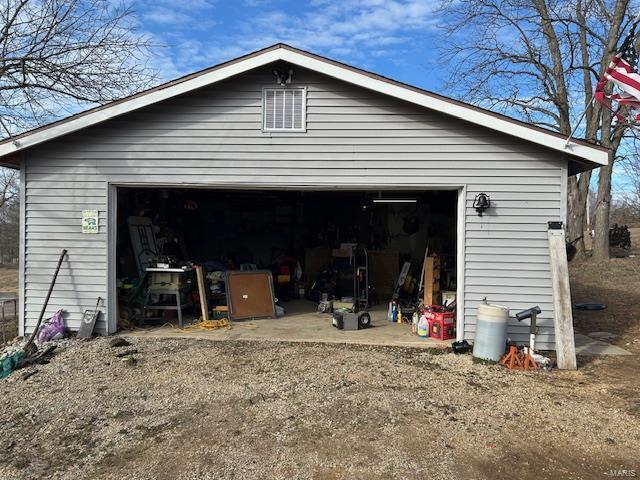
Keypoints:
pixel 565 341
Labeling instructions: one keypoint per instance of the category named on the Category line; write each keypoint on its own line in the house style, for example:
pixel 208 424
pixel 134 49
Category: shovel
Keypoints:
pixel 29 348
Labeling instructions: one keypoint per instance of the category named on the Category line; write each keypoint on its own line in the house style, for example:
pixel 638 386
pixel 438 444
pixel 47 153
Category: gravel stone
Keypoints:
pixel 197 409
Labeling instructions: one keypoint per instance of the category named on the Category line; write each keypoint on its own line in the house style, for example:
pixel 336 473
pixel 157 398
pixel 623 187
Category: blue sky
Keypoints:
pixel 395 38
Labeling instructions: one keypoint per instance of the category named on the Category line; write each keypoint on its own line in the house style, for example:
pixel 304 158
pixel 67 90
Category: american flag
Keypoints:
pixel 622 72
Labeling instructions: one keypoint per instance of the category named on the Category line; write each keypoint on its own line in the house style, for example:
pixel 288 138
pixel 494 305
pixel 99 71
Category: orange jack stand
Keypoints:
pixel 514 360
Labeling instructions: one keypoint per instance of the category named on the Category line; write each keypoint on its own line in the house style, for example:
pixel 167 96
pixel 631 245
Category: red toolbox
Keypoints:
pixel 442 323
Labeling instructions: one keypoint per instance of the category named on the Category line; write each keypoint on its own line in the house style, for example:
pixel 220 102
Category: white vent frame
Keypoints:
pixel 303 128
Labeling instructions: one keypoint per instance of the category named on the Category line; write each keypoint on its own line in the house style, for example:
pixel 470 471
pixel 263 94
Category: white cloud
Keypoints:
pixel 197 33
pixel 165 15
pixel 255 3
pixel 194 14
pixel 349 29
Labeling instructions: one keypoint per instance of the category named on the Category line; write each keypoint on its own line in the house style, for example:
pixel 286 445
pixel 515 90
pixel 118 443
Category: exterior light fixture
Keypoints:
pixel 481 203
pixel 283 78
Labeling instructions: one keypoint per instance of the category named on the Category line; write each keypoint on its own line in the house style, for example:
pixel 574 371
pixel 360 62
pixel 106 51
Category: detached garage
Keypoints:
pixel 281 160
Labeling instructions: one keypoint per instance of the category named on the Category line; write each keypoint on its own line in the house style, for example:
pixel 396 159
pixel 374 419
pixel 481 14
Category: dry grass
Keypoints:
pixel 614 283
pixel 8 284
pixel 8 280
pixel 635 239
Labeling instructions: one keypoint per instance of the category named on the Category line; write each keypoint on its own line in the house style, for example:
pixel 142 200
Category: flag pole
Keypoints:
pixel 580 120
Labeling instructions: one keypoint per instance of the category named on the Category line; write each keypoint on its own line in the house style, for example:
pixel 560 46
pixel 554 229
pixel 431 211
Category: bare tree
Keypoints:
pixel 57 56
pixel 624 213
pixel 8 186
pixel 9 218
pixel 540 60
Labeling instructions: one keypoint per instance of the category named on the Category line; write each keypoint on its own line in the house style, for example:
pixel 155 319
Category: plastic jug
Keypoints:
pixel 423 326
pixel 392 314
pixel 414 322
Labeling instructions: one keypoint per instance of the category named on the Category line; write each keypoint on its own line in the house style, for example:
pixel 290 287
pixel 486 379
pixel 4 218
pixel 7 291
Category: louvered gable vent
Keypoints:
pixel 284 109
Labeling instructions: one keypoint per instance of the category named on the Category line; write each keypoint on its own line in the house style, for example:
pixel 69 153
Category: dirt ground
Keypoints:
pixel 195 409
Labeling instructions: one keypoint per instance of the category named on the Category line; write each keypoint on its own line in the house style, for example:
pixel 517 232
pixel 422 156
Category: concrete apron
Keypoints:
pixel 302 327
pixel 586 345
pixel 277 330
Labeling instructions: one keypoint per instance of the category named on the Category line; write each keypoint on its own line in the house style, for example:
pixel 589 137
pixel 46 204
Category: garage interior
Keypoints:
pixel 324 252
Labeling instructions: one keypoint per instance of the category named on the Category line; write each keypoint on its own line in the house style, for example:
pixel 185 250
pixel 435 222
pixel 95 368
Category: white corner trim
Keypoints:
pixel 322 66
pixel 111 304
pixel 460 263
pixel 22 248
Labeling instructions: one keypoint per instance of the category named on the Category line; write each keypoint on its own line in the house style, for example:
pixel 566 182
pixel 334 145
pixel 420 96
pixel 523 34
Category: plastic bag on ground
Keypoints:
pixel 53 329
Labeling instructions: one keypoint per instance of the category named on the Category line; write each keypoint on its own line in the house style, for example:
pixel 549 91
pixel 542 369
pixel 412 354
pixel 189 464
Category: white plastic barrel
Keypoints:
pixel 491 332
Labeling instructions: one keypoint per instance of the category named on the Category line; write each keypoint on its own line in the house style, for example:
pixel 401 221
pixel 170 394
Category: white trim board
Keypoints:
pixel 111 303
pixel 22 255
pixel 286 53
pixel 460 261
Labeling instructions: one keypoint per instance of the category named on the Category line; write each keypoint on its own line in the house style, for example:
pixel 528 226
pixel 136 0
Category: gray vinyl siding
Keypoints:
pixel 354 138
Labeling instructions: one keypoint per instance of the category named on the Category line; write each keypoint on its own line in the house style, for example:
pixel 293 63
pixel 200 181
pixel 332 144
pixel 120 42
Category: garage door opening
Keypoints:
pixel 323 251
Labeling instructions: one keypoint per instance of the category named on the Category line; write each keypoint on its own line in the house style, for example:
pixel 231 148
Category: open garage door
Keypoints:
pixel 310 243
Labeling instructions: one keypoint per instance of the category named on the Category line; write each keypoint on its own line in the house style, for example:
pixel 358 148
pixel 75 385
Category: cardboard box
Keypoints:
pixel 220 312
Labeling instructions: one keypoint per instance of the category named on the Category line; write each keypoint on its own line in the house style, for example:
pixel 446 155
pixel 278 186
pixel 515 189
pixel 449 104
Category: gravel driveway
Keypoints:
pixel 194 409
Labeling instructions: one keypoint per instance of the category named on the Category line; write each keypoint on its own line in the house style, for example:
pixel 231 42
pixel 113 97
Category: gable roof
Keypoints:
pixel 592 155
